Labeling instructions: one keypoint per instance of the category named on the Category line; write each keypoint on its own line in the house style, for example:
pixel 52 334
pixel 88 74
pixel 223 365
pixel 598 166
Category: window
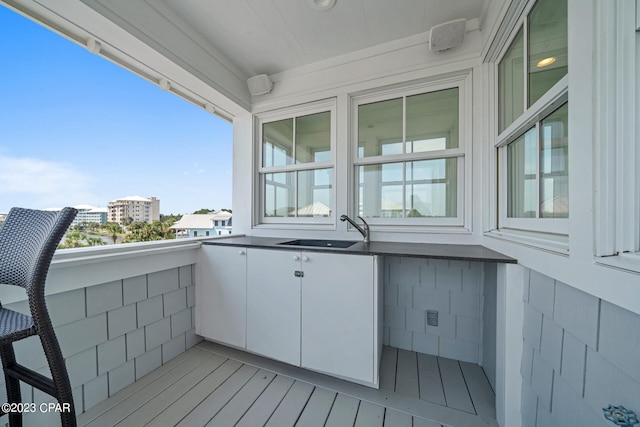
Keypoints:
pixel 409 157
pixel 297 164
pixel 533 123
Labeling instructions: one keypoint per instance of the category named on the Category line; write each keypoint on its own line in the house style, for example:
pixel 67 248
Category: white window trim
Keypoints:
pixel 287 113
pixel 617 180
pixel 462 221
pixel 544 233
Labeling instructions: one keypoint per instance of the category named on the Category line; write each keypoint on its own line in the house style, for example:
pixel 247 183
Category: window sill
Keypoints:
pixel 628 261
pixel 555 243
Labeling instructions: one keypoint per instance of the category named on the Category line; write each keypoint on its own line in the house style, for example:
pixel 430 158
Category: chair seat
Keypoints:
pixel 15 326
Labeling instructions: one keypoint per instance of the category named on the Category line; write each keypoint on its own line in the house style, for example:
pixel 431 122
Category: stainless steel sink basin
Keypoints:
pixel 320 243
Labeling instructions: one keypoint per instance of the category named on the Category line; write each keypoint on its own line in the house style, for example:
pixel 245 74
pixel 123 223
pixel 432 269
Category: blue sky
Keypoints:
pixel 77 129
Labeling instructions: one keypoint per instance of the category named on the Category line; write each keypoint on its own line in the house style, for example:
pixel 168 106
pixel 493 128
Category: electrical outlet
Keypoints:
pixel 432 318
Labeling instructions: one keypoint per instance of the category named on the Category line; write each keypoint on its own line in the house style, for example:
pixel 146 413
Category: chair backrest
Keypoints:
pixel 28 239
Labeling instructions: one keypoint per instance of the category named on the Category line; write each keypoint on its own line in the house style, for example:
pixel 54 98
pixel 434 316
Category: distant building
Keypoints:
pixel 87 213
pixel 139 209
pixel 201 225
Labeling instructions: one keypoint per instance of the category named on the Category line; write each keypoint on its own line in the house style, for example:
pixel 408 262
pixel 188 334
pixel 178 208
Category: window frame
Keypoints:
pixel 293 112
pixel 617 199
pixel 544 229
pixel 462 220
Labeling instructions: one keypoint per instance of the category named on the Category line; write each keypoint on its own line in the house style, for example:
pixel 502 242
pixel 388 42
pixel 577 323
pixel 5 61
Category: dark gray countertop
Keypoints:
pixel 415 250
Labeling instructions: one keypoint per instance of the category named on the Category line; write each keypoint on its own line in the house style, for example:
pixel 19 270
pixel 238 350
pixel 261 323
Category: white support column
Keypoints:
pixel 509 344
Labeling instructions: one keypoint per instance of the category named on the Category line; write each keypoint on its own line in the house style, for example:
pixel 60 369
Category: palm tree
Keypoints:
pixel 114 230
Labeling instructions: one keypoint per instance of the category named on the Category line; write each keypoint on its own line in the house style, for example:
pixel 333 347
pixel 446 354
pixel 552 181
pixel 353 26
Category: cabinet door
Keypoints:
pixel 222 295
pixel 273 304
pixel 338 324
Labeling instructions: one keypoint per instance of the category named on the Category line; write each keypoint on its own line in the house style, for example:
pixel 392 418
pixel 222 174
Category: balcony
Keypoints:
pixel 124 316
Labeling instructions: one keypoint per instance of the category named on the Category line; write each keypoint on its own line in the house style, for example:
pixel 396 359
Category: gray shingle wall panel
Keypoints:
pixel 104 297
pixel 111 354
pixel 122 320
pixel 174 301
pixel 185 276
pixel 551 343
pixel 578 312
pixel 121 377
pixel 573 362
pixel 134 289
pixel 162 282
pixel 157 333
pixel 620 338
pixel 541 292
pixel 78 336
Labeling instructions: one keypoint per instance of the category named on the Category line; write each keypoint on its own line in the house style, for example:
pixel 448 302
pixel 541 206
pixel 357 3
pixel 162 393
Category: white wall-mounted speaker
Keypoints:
pixel 447 35
pixel 260 84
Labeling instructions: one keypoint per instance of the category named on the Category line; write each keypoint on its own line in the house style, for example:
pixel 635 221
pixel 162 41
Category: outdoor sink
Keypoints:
pixel 320 243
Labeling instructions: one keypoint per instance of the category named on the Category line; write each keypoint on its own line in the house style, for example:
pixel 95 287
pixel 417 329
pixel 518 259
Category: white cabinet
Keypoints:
pixel 221 295
pixel 315 310
pixel 339 316
pixel 273 304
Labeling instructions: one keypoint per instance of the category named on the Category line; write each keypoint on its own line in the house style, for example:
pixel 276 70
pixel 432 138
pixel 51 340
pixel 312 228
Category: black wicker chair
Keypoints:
pixel 28 239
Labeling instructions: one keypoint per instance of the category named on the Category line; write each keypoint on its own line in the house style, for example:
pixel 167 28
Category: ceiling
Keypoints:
pixel 271 36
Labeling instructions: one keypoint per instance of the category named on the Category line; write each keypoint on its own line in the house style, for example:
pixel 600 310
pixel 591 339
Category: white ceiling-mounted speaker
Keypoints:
pixel 260 84
pixel 447 35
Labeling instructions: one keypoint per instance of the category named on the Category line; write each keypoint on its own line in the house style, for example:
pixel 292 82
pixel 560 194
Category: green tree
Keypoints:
pixel 203 211
pixel 114 230
pixel 77 239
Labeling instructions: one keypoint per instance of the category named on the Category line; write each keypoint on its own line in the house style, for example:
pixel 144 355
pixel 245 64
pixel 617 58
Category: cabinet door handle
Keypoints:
pixel 298 273
pixel 305 258
pixel 240 252
pixel 296 258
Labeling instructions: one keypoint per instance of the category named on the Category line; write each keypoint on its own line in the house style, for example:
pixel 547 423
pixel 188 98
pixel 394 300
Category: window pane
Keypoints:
pixel 432 121
pixel 279 194
pixel 277 143
pixel 554 165
pixel 380 128
pixel 314 193
pixel 547 46
pixel 521 170
pixel 380 190
pixel 431 188
pixel 313 137
pixel 511 83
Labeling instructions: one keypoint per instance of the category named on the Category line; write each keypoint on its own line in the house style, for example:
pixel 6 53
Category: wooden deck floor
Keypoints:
pixel 214 385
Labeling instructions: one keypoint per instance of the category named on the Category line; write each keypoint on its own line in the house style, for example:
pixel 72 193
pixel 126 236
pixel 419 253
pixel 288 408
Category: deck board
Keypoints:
pixel 343 412
pixel 317 410
pixel 421 422
pixel 144 395
pixel 242 401
pixel 407 374
pixel 369 415
pixel 388 365
pixel 393 418
pixel 267 403
pixel 482 394
pixel 216 385
pixel 455 388
pixel 174 413
pixel 209 407
pixel 430 381
pixel 287 413
pixel 166 397
pixel 119 397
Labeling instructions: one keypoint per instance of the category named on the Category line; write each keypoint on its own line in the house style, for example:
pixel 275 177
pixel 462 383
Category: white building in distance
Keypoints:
pixel 139 209
pixel 88 213
pixel 202 225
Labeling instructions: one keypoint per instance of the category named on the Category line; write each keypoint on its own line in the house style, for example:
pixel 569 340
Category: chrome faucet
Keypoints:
pixel 363 230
